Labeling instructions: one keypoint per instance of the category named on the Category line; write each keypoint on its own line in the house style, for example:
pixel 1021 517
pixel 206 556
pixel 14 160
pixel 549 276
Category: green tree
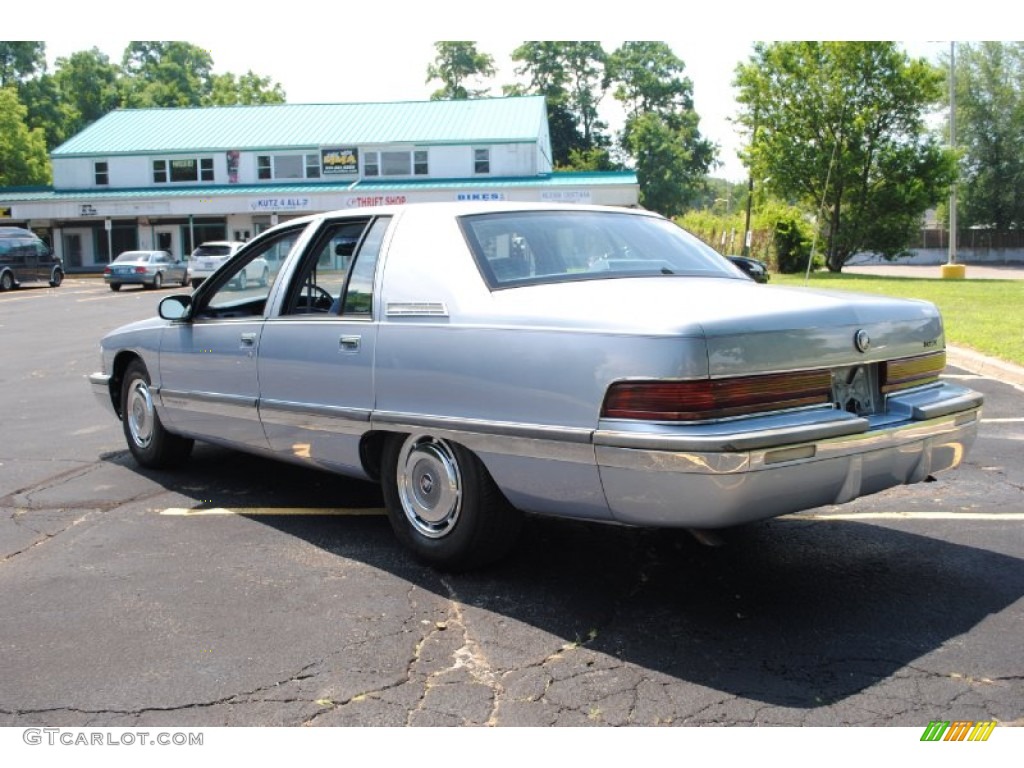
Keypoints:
pixel 661 133
pixel 840 129
pixel 227 90
pixel 23 158
pixel 455 63
pixel 570 75
pixel 21 60
pixel 990 132
pixel 165 74
pixel 87 82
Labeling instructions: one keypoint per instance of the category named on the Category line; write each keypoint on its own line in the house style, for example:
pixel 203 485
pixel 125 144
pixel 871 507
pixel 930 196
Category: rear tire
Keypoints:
pixel 115 287
pixel 56 278
pixel 6 281
pixel 151 445
pixel 443 504
pixel 158 281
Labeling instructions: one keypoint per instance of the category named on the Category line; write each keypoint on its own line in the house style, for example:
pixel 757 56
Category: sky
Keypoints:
pixel 353 53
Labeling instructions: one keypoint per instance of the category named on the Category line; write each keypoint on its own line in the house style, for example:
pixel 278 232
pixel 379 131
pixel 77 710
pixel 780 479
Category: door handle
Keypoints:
pixel 350 343
pixel 248 339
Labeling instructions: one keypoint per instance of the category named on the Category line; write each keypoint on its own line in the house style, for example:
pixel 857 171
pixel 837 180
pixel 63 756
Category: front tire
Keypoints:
pixel 443 504
pixel 151 445
pixel 6 281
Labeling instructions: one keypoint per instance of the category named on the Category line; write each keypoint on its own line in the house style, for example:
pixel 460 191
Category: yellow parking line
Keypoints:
pixel 958 516
pixel 257 511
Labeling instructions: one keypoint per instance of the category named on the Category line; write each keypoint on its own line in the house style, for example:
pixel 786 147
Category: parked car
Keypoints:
pixel 485 359
pixel 756 270
pixel 24 258
pixel 151 269
pixel 209 257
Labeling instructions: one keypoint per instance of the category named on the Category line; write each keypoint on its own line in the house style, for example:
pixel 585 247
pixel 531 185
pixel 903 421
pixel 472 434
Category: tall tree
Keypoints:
pixel 570 75
pixel 990 132
pixel 21 60
pixel 227 90
pixel 840 128
pixel 661 132
pixel 456 62
pixel 87 83
pixel 165 74
pixel 23 158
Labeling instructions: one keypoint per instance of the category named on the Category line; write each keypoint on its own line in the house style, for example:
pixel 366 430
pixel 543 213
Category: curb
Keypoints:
pixel 1008 373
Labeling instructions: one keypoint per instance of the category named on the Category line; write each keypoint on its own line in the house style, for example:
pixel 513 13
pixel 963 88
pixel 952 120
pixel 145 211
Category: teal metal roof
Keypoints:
pixel 554 180
pixel 135 131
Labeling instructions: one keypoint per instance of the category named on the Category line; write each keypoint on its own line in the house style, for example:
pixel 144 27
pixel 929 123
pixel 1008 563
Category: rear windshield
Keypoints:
pixel 212 250
pixel 531 247
pixel 132 256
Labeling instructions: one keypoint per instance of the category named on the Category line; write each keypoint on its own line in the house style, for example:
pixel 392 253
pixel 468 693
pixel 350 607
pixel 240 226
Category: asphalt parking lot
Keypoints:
pixel 237 591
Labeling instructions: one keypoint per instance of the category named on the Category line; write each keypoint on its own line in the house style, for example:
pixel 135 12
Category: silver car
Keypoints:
pixel 482 360
pixel 152 269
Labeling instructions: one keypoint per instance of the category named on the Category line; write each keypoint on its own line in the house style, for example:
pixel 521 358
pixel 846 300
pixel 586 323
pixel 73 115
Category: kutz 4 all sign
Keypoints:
pixel 958 730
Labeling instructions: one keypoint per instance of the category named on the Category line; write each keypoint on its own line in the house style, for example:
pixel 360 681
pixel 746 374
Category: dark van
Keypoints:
pixel 24 258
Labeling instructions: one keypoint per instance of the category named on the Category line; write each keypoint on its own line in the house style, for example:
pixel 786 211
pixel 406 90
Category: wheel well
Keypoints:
pixel 371 452
pixel 121 363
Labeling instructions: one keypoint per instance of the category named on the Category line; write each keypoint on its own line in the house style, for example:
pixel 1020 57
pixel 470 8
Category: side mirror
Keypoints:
pixel 176 307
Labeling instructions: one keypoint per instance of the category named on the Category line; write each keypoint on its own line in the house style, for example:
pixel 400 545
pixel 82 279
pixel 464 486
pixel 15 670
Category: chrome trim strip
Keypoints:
pixel 725 443
pixel 416 309
pixel 320 418
pixel 214 403
pixel 100 385
pixel 950 429
pixel 391 419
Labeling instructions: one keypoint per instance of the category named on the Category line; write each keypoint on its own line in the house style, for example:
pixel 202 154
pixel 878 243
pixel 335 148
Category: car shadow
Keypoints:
pixel 790 612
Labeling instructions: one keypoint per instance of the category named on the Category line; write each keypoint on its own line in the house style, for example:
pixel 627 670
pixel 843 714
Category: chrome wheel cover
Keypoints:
pixel 429 485
pixel 139 413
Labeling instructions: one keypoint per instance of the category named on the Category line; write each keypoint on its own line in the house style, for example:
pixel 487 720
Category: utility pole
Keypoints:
pixel 951 269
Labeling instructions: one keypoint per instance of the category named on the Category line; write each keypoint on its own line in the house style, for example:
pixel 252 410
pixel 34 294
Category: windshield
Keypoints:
pixel 531 247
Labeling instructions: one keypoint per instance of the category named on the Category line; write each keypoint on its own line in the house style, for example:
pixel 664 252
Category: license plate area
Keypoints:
pixel 856 389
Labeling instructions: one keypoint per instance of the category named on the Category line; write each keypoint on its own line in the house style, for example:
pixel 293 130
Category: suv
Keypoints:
pixel 24 258
pixel 208 257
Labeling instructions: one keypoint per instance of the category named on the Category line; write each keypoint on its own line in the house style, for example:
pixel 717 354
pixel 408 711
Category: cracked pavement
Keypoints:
pixel 112 614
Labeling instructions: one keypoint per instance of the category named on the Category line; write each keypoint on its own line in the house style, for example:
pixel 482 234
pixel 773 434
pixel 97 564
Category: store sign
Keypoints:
pixel 339 162
pixel 280 204
pixel 86 210
pixel 566 196
pixel 462 196
pixel 369 201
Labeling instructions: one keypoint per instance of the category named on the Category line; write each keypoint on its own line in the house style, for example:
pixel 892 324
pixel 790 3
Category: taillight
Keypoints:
pixel 140 270
pixel 107 271
pixel 716 398
pixel 909 372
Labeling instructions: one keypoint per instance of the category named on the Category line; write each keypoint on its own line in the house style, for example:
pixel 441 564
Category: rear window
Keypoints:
pixel 533 247
pixel 132 256
pixel 212 250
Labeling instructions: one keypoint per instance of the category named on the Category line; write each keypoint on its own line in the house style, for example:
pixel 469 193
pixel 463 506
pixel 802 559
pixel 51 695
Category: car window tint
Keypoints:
pixel 233 297
pixel 319 283
pixel 528 247
pixel 359 290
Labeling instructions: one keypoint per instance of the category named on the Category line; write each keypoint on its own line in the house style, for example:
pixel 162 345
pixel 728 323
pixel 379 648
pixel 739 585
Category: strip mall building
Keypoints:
pixel 171 179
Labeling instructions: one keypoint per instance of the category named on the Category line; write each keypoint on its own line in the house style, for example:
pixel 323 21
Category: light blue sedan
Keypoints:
pixel 482 360
pixel 151 269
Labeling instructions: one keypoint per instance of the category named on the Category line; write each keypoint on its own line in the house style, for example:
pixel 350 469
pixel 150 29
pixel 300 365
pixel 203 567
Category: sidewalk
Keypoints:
pixel 974 271
pixel 975 362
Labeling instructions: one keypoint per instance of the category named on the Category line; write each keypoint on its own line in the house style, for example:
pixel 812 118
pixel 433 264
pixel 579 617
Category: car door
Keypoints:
pixel 208 377
pixel 316 357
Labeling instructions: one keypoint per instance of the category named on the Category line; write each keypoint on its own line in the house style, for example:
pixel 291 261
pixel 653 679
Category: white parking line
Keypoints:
pixel 958 516
pixel 258 511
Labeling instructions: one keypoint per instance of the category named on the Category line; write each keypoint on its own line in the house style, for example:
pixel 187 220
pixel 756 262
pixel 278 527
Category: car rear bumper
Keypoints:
pixel 678 484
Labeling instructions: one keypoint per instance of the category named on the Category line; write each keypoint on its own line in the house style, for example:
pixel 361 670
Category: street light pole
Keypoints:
pixel 951 269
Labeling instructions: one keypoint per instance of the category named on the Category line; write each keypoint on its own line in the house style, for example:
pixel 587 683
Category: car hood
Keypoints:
pixel 747 327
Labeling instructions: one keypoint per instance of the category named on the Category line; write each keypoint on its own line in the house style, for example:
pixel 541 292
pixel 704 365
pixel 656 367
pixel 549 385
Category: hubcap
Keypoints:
pixel 139 413
pixel 429 485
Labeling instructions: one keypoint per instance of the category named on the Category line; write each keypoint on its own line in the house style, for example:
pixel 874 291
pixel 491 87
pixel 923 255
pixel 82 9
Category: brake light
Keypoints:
pixel 907 372
pixel 716 398
pixel 140 270
pixel 107 271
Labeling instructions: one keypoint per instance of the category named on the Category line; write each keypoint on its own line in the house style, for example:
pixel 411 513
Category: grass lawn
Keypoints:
pixel 984 315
